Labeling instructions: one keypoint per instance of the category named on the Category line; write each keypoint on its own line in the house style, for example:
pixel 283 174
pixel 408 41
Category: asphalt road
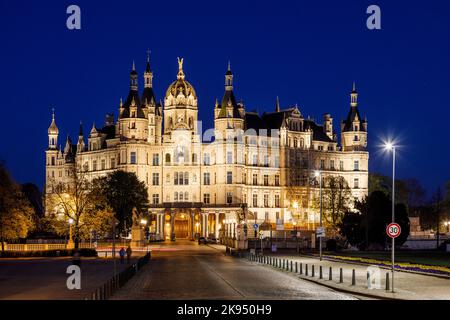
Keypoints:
pixel 186 270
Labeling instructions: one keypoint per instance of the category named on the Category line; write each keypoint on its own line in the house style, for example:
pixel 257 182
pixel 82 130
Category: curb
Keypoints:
pixel 312 280
pixel 383 267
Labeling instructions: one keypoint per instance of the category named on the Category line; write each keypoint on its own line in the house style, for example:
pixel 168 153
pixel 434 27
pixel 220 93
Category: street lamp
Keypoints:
pixel 318 174
pixel 391 147
pixel 70 243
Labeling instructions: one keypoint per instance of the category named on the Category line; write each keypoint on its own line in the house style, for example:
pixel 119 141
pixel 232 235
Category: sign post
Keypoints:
pixel 393 230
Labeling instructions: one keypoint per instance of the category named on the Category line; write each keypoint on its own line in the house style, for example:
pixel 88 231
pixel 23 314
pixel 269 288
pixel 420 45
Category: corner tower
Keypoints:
pixel 354 128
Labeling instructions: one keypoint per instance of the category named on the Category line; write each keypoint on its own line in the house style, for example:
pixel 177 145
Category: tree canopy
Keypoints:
pixel 123 191
pixel 16 212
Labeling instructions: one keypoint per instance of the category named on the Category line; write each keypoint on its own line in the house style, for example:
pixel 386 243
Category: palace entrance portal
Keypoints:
pixel 182 226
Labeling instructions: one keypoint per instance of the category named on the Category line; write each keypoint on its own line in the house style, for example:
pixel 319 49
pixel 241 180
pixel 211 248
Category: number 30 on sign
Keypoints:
pixel 393 230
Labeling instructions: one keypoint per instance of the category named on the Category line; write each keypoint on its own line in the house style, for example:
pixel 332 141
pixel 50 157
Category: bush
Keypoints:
pixel 331 245
pixel 48 253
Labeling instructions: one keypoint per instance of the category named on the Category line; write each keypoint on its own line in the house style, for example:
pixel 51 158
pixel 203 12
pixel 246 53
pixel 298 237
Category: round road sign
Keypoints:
pixel 393 230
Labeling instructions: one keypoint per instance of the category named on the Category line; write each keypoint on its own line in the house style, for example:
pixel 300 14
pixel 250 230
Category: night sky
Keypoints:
pixel 307 52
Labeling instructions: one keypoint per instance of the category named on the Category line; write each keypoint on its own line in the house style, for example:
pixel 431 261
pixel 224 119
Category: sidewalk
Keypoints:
pixel 408 286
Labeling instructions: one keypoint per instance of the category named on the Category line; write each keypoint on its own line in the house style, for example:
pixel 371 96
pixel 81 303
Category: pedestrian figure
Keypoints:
pixel 129 251
pixel 122 255
pixel 76 258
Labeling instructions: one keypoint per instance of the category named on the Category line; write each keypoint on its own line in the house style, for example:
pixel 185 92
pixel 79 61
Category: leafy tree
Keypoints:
pixel 16 213
pixel 123 191
pixel 376 214
pixel 352 228
pixel 34 196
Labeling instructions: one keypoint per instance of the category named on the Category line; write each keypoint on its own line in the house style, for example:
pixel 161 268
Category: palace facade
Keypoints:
pixel 249 168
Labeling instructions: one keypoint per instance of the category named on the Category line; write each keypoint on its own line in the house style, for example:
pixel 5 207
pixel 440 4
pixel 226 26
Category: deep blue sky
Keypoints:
pixel 306 52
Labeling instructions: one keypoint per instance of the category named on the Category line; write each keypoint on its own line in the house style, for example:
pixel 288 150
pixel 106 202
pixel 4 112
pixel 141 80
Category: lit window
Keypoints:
pixel 155 179
pixel 206 178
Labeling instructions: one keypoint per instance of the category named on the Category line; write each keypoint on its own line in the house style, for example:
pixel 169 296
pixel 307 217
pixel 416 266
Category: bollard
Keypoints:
pixel 330 274
pixel 368 280
pixel 296 267
pixel 387 281
pixel 306 269
pixel 312 271
pixel 301 267
pixel 291 266
pixel 320 272
pixel 341 276
pixel 353 277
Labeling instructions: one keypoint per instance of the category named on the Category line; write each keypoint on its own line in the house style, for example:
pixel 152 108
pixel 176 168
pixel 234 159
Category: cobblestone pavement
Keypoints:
pixel 408 286
pixel 186 270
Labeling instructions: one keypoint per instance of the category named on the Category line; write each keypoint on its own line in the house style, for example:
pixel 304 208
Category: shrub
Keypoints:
pixel 331 245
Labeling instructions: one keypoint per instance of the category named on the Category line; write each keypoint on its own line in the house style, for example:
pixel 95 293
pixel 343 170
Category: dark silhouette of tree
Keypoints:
pixel 376 214
pixel 123 191
pixel 352 228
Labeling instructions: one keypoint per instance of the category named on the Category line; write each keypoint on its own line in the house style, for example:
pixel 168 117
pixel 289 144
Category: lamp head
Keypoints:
pixel 317 173
pixel 388 146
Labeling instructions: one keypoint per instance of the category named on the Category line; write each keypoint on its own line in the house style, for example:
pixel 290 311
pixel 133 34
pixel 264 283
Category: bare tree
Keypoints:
pixel 76 199
pixel 336 197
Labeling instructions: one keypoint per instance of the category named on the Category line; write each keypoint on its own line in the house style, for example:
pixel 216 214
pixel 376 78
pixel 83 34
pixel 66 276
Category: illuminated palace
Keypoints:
pixel 254 168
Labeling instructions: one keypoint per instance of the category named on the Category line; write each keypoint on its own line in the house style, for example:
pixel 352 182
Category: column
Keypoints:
pixel 217 225
pixel 192 225
pixel 202 216
pixel 156 223
pixel 207 224
pixel 172 225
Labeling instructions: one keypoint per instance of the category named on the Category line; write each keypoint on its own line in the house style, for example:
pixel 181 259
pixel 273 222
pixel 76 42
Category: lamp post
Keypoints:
pixel 295 231
pixel 390 147
pixel 70 242
pixel 144 224
pixel 318 174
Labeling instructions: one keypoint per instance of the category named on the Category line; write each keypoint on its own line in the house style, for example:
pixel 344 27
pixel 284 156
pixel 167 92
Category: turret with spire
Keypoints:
pixel 80 143
pixel 354 128
pixel 277 106
pixel 53 133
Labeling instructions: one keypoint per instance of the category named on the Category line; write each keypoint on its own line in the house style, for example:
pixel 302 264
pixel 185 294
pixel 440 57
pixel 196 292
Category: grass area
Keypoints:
pixel 433 258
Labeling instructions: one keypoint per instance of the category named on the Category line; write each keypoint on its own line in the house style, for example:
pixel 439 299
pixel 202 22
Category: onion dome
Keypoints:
pixel 53 129
pixel 180 89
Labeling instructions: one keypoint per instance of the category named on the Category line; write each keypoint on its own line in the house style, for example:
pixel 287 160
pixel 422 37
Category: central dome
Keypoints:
pixel 181 92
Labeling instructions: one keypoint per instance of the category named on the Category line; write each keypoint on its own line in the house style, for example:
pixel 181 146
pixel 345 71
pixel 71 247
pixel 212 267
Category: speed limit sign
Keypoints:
pixel 393 230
